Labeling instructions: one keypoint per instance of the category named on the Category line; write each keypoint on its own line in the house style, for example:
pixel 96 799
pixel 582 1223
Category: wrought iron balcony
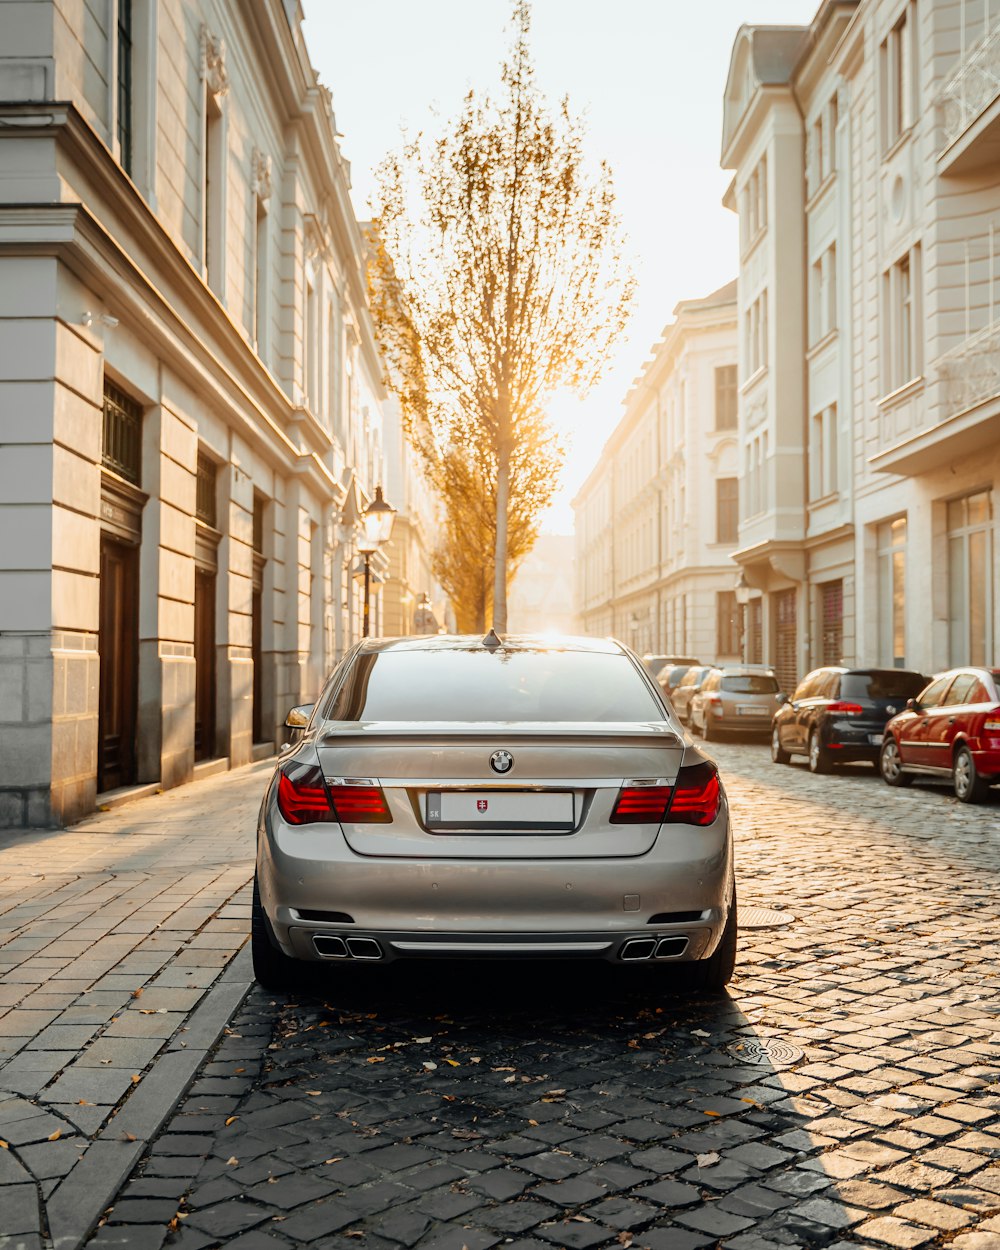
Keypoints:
pixel 972 369
pixel 969 92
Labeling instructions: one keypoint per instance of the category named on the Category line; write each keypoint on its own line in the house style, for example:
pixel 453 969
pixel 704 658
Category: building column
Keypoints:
pixel 234 667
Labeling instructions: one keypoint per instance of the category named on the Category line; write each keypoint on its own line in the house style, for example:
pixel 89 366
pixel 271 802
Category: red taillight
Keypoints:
pixel 360 805
pixel 696 796
pixel 302 795
pixel 845 709
pixel 641 805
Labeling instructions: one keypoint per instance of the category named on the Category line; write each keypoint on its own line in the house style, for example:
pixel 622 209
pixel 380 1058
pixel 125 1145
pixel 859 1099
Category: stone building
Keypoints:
pixel 192 417
pixel 656 519
pixel 867 181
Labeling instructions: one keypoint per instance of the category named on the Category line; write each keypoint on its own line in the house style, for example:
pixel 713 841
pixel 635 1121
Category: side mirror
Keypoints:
pixel 913 705
pixel 298 717
pixel 781 697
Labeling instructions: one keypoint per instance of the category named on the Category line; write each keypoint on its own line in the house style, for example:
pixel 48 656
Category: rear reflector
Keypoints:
pixel 641 805
pixel 845 709
pixel 696 796
pixel 302 795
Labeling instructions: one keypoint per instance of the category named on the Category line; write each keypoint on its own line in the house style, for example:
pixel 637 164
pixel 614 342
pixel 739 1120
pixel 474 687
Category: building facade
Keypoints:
pixel 867 181
pixel 656 519
pixel 192 417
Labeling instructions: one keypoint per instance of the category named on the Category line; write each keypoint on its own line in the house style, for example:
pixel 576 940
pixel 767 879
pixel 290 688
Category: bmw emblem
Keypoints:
pixel 501 761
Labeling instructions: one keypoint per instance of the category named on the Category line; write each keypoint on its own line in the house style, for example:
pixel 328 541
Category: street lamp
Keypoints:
pixel 741 593
pixel 377 520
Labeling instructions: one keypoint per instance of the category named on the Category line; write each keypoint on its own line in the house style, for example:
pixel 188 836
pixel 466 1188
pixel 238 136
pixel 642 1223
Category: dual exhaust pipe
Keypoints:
pixel 636 949
pixel 329 946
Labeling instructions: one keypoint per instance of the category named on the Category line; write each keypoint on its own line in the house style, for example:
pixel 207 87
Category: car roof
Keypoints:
pixel 507 642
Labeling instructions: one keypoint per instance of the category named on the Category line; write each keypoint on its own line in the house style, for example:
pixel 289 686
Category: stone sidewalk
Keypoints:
pixel 120 965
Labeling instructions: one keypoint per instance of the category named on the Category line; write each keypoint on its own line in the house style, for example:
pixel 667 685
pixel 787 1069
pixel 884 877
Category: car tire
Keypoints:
pixel 272 968
pixel 712 975
pixel 778 753
pixel 969 786
pixel 890 766
pixel 819 756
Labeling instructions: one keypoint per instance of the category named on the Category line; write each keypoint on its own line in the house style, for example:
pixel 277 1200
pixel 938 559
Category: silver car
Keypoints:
pixel 737 698
pixel 458 797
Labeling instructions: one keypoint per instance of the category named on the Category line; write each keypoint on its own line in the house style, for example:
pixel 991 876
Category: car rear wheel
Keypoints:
pixel 712 975
pixel 272 968
pixel 891 766
pixel 819 756
pixel 778 753
pixel 969 786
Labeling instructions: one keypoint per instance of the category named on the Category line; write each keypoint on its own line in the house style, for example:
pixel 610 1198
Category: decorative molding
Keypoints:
pixel 213 62
pixel 260 174
pixel 317 238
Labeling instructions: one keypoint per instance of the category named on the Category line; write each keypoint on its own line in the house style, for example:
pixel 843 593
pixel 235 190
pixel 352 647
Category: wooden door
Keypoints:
pixel 204 665
pixel 118 646
pixel 785 666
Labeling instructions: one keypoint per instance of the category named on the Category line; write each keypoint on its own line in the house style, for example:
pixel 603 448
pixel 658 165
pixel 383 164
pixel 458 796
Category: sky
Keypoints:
pixel 648 75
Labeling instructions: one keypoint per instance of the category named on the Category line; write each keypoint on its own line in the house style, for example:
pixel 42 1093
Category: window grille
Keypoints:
pixel 122 430
pixel 204 507
pixel 125 83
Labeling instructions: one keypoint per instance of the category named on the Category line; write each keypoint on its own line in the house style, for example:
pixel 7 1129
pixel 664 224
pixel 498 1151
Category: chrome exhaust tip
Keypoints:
pixel 637 948
pixel 670 946
pixel 329 947
pixel 364 948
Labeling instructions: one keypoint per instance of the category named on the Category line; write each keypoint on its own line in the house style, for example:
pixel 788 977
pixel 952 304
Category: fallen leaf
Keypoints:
pixel 581 1219
pixel 231 1120
pixel 533 1123
pixel 706 1161
pixel 56 1135
pixel 232 1161
pixel 136 1078
pixel 453 1063
pixel 713 1113
pixel 423 1039
pixel 699 1033
pixel 4 1145
pixel 239 1069
pixel 335 1159
pixel 314 1093
pixel 379 1059
pixel 130 1136
pixel 429 1065
pixel 624 1239
pixel 137 993
pixel 82 1102
pixel 509 1080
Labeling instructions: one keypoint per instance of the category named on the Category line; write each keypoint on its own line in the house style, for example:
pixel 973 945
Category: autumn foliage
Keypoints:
pixel 496 280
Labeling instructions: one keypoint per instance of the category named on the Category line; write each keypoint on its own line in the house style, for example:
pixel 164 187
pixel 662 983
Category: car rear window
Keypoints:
pixel 479 685
pixel 751 683
pixel 882 685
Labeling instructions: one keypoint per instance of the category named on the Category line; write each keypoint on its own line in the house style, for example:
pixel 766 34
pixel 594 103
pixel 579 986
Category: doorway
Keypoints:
pixel 118 647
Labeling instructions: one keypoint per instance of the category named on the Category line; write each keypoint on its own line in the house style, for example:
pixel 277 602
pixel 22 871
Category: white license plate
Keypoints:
pixel 487 810
pixel 876 739
pixel 748 709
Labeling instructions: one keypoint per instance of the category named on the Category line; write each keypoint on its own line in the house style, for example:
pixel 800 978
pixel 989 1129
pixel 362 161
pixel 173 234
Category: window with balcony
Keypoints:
pixel 970 594
pixel 902 338
pixel 725 398
pixel 823 295
pixel 897 79
pixel 726 510
pixel 891 548
pixel 824 459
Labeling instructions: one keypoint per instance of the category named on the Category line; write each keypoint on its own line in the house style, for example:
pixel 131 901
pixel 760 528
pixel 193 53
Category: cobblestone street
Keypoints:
pixel 846 1092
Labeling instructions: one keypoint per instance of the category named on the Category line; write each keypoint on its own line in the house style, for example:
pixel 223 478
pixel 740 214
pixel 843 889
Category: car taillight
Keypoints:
pixel 696 796
pixel 845 709
pixel 360 805
pixel 641 805
pixel 302 795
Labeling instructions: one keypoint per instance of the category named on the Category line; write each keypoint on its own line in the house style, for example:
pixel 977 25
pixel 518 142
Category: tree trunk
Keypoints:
pixel 500 554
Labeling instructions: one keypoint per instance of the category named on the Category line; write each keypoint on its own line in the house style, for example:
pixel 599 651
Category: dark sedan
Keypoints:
pixel 838 715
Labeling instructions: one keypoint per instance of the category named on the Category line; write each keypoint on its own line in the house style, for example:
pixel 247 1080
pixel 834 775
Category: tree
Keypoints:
pixel 496 278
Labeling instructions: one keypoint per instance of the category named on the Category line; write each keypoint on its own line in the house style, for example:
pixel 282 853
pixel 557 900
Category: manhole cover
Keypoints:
pixel 765 1050
pixel 764 918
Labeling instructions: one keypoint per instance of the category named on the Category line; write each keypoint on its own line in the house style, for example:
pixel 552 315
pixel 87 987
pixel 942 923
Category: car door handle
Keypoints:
pixel 925 720
pixel 951 720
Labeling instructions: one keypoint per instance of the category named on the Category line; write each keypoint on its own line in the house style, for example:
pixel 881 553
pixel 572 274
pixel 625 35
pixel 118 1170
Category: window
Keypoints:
pixel 901 307
pixel 260 283
pixel 891 540
pixel 726 509
pixel 898 85
pixel 213 210
pixel 121 449
pixel 751 683
pixel 755 328
pixel 970 564
pixel 727 634
pixel 823 295
pixel 204 508
pixel 832 621
pixel 725 398
pixel 824 441
pixel 756 484
pixel 755 203
pixel 933 696
pixel 125 117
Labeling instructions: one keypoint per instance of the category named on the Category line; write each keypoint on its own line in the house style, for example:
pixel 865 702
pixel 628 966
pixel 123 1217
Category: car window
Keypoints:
pixel 807 686
pixel 828 686
pixel 882 684
pixel 478 685
pixel 750 683
pixel 676 673
pixel 934 693
pixel 960 690
pixel 978 693
pixel 711 682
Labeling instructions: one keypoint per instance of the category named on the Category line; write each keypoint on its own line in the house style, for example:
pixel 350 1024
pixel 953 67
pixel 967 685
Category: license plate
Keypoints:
pixel 748 709
pixel 876 739
pixel 486 811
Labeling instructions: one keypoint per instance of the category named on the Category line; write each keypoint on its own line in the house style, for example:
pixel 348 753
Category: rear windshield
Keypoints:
pixel 884 685
pixel 478 685
pixel 751 683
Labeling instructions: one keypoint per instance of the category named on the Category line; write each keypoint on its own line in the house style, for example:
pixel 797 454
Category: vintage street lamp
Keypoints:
pixel 377 520
pixel 741 592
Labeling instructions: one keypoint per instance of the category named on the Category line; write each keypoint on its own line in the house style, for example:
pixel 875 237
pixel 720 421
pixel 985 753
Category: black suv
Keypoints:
pixel 838 715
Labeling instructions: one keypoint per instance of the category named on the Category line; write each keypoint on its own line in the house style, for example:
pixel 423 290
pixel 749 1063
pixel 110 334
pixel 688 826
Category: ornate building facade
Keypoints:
pixel 192 416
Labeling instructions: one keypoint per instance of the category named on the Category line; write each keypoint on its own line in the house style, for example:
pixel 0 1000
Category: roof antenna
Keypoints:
pixel 492 640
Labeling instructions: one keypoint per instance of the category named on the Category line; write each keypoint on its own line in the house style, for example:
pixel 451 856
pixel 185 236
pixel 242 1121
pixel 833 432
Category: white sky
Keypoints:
pixel 649 74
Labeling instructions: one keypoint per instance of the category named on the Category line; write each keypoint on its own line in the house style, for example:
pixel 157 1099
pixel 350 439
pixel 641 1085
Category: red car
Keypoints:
pixel 951 729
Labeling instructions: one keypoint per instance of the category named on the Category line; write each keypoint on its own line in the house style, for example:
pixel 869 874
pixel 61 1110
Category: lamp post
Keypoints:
pixel 377 520
pixel 742 594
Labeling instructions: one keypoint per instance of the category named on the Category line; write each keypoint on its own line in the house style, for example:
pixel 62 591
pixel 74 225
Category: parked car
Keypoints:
pixel 458 797
pixel 683 692
pixel 737 698
pixel 670 675
pixel 950 730
pixel 838 715
pixel 655 664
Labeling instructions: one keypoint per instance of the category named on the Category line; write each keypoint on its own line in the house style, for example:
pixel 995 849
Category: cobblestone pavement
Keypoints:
pixel 846 1092
pixel 112 935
